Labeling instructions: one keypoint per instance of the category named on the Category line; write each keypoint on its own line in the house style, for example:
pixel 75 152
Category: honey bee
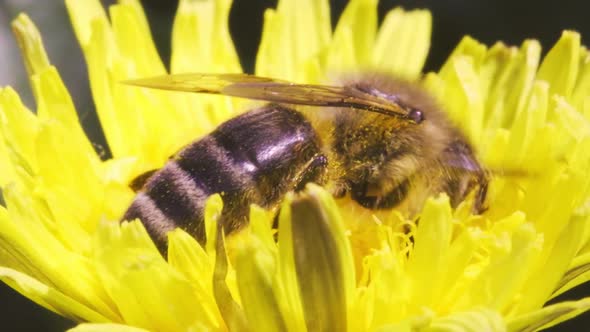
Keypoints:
pixel 383 142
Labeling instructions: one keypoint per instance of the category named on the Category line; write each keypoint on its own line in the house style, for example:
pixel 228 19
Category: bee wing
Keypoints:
pixel 273 90
pixel 201 83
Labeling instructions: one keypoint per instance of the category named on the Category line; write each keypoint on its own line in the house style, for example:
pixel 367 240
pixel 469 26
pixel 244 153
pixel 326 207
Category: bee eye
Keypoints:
pixel 416 116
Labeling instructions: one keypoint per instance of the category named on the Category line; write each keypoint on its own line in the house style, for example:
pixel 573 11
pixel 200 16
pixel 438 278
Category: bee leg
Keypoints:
pixel 313 171
pixel 360 194
pixel 139 181
pixel 480 197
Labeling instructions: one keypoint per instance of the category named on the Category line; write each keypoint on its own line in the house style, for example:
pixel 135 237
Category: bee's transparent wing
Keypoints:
pixel 272 90
pixel 202 83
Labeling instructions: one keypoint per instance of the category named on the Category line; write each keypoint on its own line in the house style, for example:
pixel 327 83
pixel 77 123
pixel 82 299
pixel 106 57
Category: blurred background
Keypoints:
pixel 486 20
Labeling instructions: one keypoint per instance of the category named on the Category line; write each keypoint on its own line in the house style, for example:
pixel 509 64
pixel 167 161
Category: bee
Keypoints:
pixel 382 142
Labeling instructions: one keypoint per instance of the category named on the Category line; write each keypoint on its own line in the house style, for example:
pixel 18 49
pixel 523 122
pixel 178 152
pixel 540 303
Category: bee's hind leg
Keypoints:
pixel 314 171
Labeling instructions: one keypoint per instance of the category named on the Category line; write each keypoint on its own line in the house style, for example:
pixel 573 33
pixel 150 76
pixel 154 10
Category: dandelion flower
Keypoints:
pixel 334 266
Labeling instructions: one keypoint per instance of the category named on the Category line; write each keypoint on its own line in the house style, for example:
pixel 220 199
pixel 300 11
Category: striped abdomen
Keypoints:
pixel 255 158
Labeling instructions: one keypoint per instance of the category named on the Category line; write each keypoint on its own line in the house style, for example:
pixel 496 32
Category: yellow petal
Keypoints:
pixel 582 88
pixel 256 269
pixel 403 42
pixel 457 261
pixel 36 247
pixel 29 41
pixel 134 40
pixel 578 273
pixel 560 66
pixel 105 328
pixel 341 53
pixel 83 15
pixel 510 87
pixel 53 99
pixel 543 279
pixel 467 47
pixel 512 256
pixel 462 94
pixel 470 321
pixel 187 256
pixel 292 38
pixel 432 240
pixel 200 38
pixel 356 29
pixel 8 173
pixel 201 42
pixel 322 259
pixel 19 131
pixel 49 297
pixel 261 221
pixel 548 316
pixel 146 290
pixel 233 315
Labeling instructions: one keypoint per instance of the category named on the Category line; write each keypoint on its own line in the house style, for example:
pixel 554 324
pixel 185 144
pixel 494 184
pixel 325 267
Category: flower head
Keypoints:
pixel 334 265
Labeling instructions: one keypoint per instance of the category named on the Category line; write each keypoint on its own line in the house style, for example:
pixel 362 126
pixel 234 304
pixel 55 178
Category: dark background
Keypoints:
pixel 486 20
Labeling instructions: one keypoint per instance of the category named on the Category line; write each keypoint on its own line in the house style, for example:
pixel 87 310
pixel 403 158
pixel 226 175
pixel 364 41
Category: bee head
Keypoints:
pixel 388 160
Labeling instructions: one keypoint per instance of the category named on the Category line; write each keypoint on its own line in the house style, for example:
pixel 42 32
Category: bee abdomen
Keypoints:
pixel 175 196
pixel 254 158
pixel 170 199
